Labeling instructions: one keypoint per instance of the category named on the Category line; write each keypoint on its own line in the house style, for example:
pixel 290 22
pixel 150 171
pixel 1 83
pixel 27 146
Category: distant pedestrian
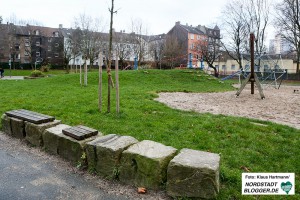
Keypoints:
pixel 1 72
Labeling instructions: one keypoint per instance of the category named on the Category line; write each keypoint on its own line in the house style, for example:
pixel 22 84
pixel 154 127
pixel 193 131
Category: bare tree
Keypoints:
pixel 88 40
pixel 139 39
pixel 240 18
pixel 171 50
pixel 288 23
pixel 257 18
pixel 122 47
pixel 110 82
pixel 235 29
pixel 156 48
pixel 210 52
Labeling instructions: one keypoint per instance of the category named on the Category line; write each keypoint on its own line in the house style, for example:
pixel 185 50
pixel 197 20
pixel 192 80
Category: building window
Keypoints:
pixel 56 45
pixel 37 43
pixel 192 46
pixel 192 36
pixel 55 34
pixel 27 44
pixel 198 37
pixel 223 67
pixel 232 67
pixel 49 39
pixel 38 54
pixel 37 32
pixel 18 56
pixel 49 48
pixel 26 53
pixel 56 55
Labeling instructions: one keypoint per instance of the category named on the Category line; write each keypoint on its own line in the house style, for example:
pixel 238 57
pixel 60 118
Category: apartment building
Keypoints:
pixel 26 45
pixel 191 39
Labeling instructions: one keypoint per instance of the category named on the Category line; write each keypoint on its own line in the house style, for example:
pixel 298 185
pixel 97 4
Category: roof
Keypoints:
pixel 192 29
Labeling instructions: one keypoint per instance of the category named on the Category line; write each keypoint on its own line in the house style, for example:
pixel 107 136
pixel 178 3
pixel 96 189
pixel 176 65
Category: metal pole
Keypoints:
pixel 252 80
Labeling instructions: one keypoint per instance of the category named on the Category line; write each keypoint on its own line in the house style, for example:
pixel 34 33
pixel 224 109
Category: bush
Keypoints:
pixel 45 68
pixel 37 73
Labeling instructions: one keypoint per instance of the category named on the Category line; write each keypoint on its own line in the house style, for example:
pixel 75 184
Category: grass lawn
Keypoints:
pixel 274 148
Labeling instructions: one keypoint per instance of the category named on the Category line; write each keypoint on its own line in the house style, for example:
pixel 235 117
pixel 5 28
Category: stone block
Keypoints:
pixel 104 153
pixel 6 126
pixel 72 149
pixel 51 137
pixel 145 164
pixel 17 128
pixel 194 174
pixel 34 132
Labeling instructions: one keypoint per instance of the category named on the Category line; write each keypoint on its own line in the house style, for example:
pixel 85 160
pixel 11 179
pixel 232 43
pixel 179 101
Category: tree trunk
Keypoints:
pixel 110 56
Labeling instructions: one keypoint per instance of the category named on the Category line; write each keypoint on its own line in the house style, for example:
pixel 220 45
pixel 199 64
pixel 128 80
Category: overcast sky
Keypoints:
pixel 159 16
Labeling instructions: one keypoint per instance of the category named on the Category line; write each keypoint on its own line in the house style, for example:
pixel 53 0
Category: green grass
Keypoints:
pixel 271 148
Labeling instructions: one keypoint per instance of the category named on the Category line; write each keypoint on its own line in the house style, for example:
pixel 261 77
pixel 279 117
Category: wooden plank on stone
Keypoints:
pixel 30 116
pixel 80 132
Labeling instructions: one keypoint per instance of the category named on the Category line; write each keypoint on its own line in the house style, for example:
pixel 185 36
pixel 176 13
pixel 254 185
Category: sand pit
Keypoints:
pixel 280 106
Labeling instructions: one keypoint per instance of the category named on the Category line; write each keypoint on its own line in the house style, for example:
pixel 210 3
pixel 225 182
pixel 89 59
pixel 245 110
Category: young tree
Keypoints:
pixel 110 82
pixel 288 24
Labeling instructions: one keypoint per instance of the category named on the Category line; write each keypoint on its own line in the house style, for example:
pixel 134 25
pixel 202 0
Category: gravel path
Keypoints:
pixel 281 106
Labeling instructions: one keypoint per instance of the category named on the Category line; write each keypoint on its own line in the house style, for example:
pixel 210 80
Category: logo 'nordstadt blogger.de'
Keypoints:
pixel 268 183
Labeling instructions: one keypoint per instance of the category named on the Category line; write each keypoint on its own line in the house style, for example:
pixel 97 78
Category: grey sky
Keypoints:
pixel 159 16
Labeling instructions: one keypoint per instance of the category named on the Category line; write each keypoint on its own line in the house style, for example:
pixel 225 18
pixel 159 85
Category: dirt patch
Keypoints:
pixel 280 106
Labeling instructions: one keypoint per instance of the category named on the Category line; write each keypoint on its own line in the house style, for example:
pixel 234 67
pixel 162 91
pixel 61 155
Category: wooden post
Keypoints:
pixel 80 72
pixel 117 85
pixel 85 73
pixel 100 82
pixel 252 80
pixel 252 76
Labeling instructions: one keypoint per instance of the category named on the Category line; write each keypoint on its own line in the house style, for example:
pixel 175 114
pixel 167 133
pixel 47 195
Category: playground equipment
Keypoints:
pixel 268 68
pixel 252 77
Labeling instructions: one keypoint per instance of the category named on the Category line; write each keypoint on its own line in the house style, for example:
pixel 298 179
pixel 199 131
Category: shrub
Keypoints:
pixel 37 73
pixel 46 68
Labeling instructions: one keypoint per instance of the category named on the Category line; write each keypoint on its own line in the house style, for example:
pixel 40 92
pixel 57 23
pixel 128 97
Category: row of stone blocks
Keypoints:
pixel 188 173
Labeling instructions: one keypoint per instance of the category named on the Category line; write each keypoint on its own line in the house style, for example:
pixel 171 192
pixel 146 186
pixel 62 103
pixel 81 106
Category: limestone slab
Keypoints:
pixel 194 174
pixel 51 137
pixel 34 132
pixel 145 164
pixel 6 126
pixel 104 153
pixel 17 128
pixel 73 150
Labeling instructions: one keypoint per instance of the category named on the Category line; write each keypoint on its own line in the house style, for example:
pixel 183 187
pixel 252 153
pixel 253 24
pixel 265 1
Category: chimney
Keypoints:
pixel 177 23
pixel 60 26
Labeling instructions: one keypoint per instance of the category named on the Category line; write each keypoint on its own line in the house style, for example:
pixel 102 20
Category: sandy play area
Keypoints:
pixel 280 106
